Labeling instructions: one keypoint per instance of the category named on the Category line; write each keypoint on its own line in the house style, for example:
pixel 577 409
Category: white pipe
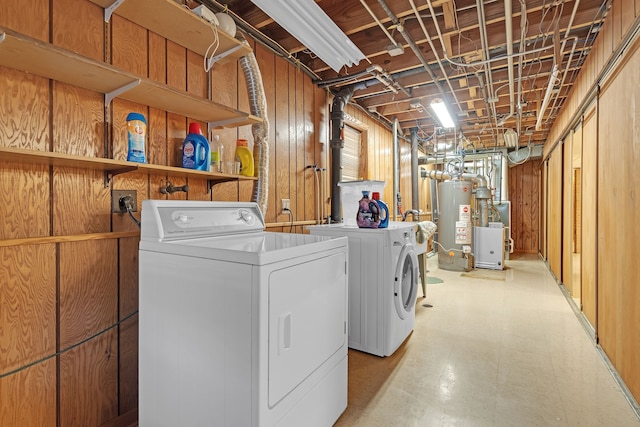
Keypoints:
pixel 508 25
pixel 375 18
pixel 435 52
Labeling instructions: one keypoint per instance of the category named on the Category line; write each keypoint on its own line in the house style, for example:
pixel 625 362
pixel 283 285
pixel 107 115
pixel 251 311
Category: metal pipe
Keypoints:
pixel 482 23
pixel 435 53
pixel 508 25
pixel 375 18
pixel 415 194
pixel 396 167
pixel 412 45
pixel 337 144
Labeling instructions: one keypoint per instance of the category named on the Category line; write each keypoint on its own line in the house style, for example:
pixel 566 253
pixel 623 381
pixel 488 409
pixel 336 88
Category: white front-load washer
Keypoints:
pixel 238 327
pixel 383 284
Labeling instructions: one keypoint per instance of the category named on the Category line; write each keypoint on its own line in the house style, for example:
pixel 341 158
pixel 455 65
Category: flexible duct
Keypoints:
pixel 260 131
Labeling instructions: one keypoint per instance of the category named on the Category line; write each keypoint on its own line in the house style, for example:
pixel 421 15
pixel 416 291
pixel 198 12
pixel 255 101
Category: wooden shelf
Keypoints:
pixel 176 23
pixel 49 61
pixel 66 160
pixel 212 177
pixel 111 167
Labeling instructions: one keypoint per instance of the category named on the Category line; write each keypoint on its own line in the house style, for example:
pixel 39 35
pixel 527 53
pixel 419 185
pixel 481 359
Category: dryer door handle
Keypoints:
pixel 284 332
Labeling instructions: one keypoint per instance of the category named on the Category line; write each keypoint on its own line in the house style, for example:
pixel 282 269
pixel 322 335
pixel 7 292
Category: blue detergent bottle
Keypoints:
pixel 384 210
pixel 195 149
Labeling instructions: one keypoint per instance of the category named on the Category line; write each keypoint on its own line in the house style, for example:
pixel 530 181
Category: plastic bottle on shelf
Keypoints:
pixel 195 149
pixel 136 136
pixel 384 210
pixel 245 157
pixel 368 215
pixel 217 153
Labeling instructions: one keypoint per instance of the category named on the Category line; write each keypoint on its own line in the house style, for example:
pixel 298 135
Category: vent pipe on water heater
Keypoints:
pixel 337 144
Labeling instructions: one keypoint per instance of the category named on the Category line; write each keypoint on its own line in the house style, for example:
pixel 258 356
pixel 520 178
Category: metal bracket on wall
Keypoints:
pixel 109 174
pixel 214 59
pixel 110 96
pixel 108 11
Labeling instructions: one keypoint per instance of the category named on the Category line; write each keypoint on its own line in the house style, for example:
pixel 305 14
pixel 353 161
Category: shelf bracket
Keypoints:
pixel 109 174
pixel 110 96
pixel 213 125
pixel 109 10
pixel 214 59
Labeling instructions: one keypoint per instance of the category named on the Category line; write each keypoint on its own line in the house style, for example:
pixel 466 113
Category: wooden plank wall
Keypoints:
pixel 524 194
pixel 68 267
pixel 609 179
pixel 567 217
pixel 554 213
pixel 618 204
pixel 378 157
pixel 589 214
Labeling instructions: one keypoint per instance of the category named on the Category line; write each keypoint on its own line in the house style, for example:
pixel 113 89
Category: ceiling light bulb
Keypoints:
pixel 443 114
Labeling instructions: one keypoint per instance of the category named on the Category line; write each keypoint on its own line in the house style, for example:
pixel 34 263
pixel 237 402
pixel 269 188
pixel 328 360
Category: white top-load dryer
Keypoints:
pixel 383 283
pixel 238 327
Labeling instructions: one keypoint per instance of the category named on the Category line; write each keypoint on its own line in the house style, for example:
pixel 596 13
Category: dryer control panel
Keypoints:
pixel 165 220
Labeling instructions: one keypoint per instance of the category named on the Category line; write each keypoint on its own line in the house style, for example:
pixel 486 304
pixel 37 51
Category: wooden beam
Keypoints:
pixel 449 15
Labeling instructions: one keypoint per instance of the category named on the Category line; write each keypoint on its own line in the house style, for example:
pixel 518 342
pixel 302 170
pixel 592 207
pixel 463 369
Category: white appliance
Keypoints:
pixel 238 327
pixel 383 283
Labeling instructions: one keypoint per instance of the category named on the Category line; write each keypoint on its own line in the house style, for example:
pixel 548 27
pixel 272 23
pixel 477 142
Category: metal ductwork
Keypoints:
pixel 340 100
pixel 260 131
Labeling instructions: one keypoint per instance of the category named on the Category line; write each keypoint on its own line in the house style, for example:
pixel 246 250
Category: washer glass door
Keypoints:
pixel 406 281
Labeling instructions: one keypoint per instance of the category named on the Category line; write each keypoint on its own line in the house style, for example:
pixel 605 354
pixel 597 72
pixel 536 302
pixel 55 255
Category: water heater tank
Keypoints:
pixel 454 225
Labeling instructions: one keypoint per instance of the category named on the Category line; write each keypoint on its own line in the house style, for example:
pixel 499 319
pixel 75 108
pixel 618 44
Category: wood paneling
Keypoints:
pixel 78 26
pixel 310 144
pixel 24 110
pixel 554 218
pixel 28 305
pixel 128 365
pixel 618 294
pixel 88 289
pixel 567 217
pixel 589 213
pixel 284 149
pixel 89 382
pixel 27 215
pixel 28 398
pixel 524 194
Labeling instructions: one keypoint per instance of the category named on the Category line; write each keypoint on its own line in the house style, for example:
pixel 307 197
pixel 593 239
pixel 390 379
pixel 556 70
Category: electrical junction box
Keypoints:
pixel 206 14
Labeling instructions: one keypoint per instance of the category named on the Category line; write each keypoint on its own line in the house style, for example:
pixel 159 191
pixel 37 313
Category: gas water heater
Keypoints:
pixel 455 226
pixel 463 202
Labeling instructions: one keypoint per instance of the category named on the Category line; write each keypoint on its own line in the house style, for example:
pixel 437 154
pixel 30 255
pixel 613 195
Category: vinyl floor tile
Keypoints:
pixel 496 349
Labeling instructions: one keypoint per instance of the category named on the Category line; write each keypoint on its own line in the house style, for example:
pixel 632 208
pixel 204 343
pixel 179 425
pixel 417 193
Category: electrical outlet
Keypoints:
pixel 117 195
pixel 286 204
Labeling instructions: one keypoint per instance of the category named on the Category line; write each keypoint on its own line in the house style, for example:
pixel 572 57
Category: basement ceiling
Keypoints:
pixel 494 67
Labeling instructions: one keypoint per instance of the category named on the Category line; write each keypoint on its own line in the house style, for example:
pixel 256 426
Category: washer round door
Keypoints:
pixel 406 281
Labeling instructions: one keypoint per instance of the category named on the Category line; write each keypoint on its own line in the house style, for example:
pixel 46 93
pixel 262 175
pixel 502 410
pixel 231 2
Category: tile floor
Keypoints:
pixel 496 349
